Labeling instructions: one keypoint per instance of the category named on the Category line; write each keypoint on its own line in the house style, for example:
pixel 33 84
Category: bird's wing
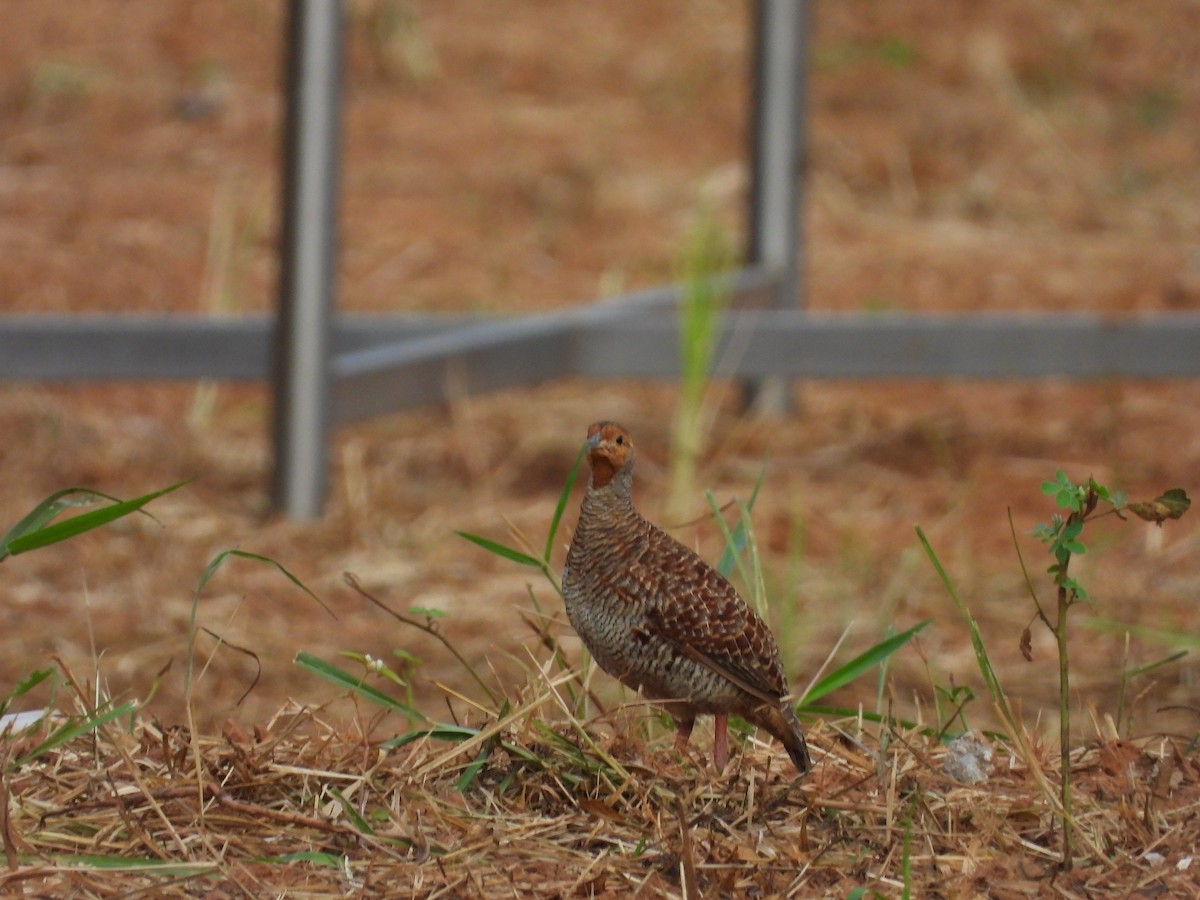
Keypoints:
pixel 698 611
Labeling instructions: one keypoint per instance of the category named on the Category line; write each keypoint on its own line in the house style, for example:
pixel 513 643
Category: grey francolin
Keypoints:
pixel 658 618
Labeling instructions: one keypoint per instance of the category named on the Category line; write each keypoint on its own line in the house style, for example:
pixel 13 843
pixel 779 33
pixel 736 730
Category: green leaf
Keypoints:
pixel 32 532
pixel 220 558
pixel 1169 636
pixel 360 824
pixel 74 728
pixel 960 690
pixel 439 732
pixel 471 772
pixel 981 655
pixel 1076 588
pixel 736 543
pixel 330 860
pixel 160 867
pixel 24 686
pixel 865 661
pixel 354 684
pixel 516 556
pixel 1158 663
pixel 845 712
pixel 1044 533
pixel 46 511
pixel 563 497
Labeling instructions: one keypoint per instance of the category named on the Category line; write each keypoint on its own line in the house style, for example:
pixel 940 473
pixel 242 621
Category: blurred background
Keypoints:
pixel 1015 155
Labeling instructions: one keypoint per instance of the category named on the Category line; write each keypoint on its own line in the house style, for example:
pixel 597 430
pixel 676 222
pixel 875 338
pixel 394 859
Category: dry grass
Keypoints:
pixel 539 803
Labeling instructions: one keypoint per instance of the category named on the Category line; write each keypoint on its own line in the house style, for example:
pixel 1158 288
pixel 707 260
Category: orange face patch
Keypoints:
pixel 610 449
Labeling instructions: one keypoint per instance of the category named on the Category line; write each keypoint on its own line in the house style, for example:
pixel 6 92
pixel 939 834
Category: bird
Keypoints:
pixel 659 619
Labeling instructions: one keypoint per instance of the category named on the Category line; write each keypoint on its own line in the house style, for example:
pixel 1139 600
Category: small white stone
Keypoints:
pixel 968 758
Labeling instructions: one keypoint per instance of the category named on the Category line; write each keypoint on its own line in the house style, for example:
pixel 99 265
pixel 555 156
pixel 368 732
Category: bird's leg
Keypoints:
pixel 721 741
pixel 683 731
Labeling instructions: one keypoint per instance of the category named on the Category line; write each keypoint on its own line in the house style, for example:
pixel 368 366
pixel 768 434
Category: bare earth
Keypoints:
pixel 970 157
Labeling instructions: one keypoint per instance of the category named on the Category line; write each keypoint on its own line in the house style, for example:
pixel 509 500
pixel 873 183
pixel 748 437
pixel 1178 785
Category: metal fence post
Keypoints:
pixel 777 161
pixel 308 241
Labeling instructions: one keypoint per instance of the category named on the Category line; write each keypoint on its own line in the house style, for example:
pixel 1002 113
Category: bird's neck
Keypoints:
pixel 602 472
pixel 610 494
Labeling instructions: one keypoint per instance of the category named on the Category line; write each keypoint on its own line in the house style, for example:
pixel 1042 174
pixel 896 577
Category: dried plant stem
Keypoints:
pixel 429 628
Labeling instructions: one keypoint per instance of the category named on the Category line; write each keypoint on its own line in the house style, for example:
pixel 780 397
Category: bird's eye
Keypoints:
pixel 620 439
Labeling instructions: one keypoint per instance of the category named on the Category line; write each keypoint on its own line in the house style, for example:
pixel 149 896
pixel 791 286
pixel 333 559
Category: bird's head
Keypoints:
pixel 609 450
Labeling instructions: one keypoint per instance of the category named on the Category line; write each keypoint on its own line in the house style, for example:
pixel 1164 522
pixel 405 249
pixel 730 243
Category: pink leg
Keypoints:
pixel 721 741
pixel 683 731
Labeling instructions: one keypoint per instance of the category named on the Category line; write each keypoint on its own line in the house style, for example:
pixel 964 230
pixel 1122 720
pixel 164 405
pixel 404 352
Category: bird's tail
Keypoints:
pixel 781 722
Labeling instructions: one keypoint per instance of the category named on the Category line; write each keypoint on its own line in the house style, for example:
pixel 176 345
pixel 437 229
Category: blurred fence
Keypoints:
pixel 328 368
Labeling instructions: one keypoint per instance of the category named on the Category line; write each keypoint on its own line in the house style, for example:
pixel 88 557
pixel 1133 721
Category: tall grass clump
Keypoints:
pixel 704 297
pixel 35 530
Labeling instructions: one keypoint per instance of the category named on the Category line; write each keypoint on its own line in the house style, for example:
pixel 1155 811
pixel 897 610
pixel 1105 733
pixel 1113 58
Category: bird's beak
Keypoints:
pixel 592 443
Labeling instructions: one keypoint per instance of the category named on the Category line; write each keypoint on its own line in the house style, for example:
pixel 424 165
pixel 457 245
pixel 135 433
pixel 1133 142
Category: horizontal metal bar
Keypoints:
pixel 175 347
pixel 238 349
pixel 497 354
pixel 376 355
pixel 802 344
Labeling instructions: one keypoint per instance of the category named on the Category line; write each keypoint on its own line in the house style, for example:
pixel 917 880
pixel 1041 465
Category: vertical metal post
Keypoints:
pixel 778 160
pixel 308 241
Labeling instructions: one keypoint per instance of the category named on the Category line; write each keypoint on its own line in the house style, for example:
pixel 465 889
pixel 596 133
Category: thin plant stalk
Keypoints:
pixel 702 303
pixel 1066 596
pixel 1064 719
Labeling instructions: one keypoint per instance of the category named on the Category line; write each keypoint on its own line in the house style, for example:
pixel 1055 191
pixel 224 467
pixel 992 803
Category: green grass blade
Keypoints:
pixel 735 544
pixel 500 550
pixel 47 510
pixel 727 535
pixel 563 497
pixel 24 686
pixel 1168 636
pixel 845 712
pixel 209 572
pixel 471 772
pixel 438 731
pixel 74 728
pixel 354 684
pixel 220 558
pixel 981 655
pixel 316 857
pixel 360 824
pixel 456 734
pixel 46 534
pixel 122 863
pixel 865 661
pixel 906 862
pixel 1158 663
